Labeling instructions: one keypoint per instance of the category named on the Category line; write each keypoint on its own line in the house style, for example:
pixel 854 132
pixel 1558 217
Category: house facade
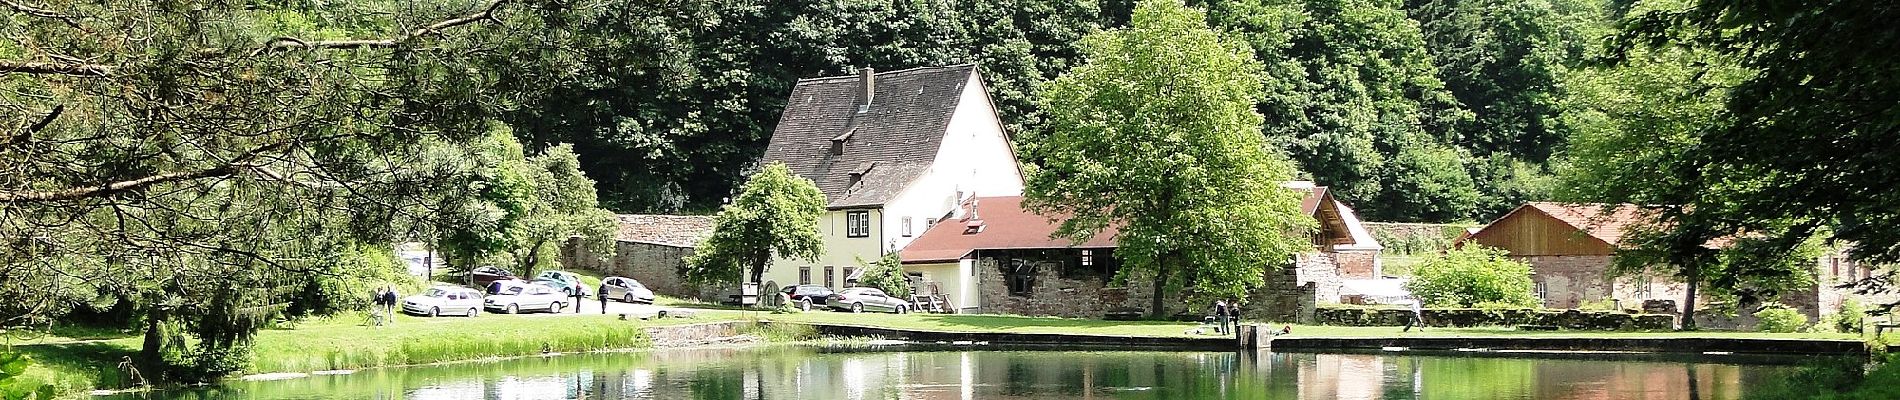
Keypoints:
pixel 1000 258
pixel 1571 248
pixel 894 153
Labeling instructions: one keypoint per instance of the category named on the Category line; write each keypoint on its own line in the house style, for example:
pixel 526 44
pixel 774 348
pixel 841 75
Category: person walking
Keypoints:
pixel 601 292
pixel 1418 317
pixel 1220 314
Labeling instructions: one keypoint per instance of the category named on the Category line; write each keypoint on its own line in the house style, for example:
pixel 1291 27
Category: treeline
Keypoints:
pixel 1422 110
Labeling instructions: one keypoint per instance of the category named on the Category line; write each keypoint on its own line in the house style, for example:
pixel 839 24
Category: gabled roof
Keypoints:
pixel 1320 204
pixel 1006 225
pixel 665 230
pixel 891 143
pixel 1605 222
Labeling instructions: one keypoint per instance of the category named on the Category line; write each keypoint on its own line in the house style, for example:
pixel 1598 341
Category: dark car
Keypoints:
pixel 806 295
pixel 482 277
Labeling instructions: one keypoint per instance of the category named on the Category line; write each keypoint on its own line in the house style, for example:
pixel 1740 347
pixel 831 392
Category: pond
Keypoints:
pixel 790 372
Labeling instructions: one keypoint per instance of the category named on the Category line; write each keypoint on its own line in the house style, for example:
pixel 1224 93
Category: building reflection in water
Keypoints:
pixel 807 373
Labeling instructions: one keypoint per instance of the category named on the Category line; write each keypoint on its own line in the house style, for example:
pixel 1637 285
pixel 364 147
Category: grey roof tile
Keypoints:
pixel 896 139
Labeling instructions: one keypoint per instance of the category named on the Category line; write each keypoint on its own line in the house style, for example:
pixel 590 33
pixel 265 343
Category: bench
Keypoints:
pixel 1882 328
pixel 1536 327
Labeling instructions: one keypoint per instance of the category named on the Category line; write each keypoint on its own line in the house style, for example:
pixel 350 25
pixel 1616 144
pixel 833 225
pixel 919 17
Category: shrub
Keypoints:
pixel 1470 276
pixel 887 274
pixel 1850 318
pixel 1780 319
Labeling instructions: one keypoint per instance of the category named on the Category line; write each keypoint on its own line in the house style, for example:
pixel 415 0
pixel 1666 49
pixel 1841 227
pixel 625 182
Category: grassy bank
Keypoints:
pixel 72 365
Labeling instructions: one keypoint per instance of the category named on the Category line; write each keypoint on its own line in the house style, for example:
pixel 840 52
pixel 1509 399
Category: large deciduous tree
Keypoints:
pixel 1750 125
pixel 208 159
pixel 1155 135
pixel 565 207
pixel 776 214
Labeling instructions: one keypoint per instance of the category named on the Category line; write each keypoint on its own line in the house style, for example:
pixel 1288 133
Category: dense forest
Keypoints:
pixel 1413 111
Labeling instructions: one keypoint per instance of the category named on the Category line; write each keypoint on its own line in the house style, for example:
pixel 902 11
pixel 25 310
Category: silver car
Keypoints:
pixel 863 298
pixel 626 289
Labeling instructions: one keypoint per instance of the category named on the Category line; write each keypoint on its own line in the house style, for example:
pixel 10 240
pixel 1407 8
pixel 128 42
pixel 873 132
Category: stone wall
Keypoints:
pixel 1053 295
pixel 1282 299
pixel 1358 264
pixel 656 266
pixel 1323 272
pixel 1288 295
pixel 1570 281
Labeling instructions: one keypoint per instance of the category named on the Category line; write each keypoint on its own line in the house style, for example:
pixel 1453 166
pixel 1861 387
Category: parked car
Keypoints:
pixel 806 295
pixel 862 298
pixel 439 300
pixel 627 290
pixel 568 283
pixel 515 298
pixel 481 277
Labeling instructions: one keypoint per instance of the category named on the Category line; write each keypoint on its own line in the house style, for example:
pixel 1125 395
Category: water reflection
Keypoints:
pixel 811 373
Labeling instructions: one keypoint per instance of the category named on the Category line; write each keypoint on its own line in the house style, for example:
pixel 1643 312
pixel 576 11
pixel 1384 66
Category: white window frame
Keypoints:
pixel 906 226
pixel 857 224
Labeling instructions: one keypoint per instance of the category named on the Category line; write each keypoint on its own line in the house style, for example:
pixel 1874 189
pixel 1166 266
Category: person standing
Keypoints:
pixel 601 292
pixel 376 305
pixel 389 304
pixel 1233 314
pixel 577 293
pixel 1220 314
pixel 1418 317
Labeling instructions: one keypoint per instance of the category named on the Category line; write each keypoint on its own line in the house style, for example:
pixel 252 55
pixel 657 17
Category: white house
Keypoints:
pixel 894 153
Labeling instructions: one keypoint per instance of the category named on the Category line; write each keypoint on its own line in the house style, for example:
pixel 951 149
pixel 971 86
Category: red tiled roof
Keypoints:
pixel 1606 222
pixel 1006 226
pixel 668 230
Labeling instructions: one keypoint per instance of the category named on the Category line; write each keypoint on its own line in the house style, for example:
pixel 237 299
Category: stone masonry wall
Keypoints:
pixel 1570 281
pixel 1289 294
pixel 1320 269
pixel 1282 299
pixel 656 266
pixel 1052 295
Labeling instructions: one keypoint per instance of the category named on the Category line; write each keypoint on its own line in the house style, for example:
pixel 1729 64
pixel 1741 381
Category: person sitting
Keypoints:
pixel 1284 330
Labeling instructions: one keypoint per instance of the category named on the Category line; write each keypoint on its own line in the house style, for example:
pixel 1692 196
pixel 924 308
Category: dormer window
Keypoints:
pixel 837 142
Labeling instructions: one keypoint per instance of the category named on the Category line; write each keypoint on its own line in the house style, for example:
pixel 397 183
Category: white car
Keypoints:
pixel 515 298
pixel 627 290
pixel 444 300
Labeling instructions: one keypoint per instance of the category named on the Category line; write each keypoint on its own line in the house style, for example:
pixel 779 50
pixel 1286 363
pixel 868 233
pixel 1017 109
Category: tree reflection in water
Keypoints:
pixel 813 373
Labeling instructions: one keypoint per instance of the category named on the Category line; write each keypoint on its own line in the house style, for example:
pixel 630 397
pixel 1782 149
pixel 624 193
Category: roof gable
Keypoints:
pixel 1544 228
pixel 891 143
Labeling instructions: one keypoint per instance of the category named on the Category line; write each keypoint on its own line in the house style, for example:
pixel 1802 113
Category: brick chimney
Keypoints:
pixel 867 78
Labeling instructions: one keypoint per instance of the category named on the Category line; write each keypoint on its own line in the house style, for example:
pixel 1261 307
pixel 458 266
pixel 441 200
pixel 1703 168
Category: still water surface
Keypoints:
pixel 819 373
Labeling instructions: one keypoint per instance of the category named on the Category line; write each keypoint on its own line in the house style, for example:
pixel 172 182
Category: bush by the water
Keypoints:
pixel 1470 276
pixel 1780 320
